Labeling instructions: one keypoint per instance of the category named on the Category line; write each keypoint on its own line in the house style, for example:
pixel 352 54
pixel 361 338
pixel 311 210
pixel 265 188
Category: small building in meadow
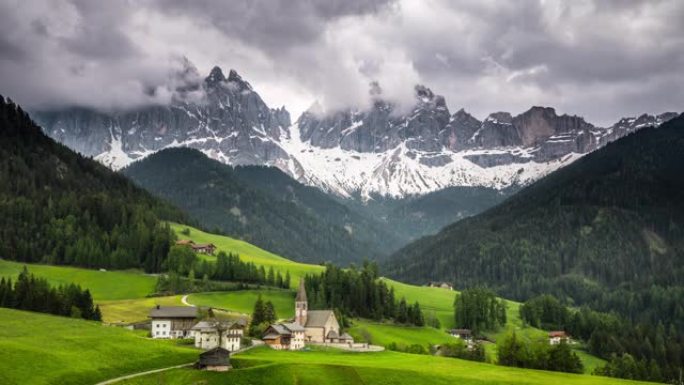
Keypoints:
pixel 216 359
pixel 213 333
pixel 203 248
pixel 184 242
pixel 172 321
pixel 558 336
pixel 441 285
pixel 464 334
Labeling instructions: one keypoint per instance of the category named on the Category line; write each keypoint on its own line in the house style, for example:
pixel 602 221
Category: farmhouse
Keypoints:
pixel 216 359
pixel 203 248
pixel 464 334
pixel 210 334
pixel 172 321
pixel 556 337
pixel 285 336
pixel 441 285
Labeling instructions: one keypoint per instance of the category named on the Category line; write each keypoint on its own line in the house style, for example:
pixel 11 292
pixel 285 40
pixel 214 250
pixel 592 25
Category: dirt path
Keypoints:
pixel 255 343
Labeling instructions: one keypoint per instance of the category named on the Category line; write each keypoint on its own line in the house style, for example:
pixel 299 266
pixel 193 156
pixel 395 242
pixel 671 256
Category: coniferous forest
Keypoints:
pixel 36 294
pixel 358 292
pixel 58 207
pixel 606 231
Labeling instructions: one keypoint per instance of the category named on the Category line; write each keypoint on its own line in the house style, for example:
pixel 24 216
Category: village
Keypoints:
pixel 218 338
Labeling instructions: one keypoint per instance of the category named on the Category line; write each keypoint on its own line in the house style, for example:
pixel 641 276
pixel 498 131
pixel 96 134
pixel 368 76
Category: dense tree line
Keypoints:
pixel 460 349
pixel 545 312
pixel 182 262
pixel 36 294
pixel 479 309
pixel 302 227
pixel 514 351
pixel 58 207
pixel 643 351
pixel 358 292
pixel 606 231
pixel 263 315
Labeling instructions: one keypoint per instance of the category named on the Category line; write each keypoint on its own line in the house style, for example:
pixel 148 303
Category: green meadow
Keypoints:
pixel 134 310
pixel 103 285
pixel 266 366
pixel 248 253
pixel 243 301
pixel 44 349
pixel 383 334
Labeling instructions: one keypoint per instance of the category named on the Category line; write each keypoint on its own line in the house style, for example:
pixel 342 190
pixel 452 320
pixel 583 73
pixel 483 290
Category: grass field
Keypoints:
pixel 249 253
pixel 383 334
pixel 243 301
pixel 103 285
pixel 43 349
pixel 266 366
pixel 134 310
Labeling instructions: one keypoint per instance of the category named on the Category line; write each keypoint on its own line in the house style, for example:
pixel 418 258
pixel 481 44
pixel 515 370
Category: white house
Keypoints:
pixel 556 337
pixel 172 321
pixel 211 334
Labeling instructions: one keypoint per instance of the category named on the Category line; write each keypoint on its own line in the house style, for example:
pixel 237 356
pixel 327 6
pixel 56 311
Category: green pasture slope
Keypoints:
pixel 243 301
pixel 266 366
pixel 103 285
pixel 249 253
pixel 44 349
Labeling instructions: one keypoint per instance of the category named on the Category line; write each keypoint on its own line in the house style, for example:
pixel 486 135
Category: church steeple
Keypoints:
pixel 301 304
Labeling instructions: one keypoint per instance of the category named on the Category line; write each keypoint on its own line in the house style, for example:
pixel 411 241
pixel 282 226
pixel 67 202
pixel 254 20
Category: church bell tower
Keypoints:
pixel 301 304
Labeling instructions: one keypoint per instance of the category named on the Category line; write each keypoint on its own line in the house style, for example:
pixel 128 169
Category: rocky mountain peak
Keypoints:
pixel 215 76
pixel 236 79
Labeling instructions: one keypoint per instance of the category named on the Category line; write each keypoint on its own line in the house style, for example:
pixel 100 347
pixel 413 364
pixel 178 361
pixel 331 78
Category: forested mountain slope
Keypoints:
pixel 264 207
pixel 61 208
pixel 607 231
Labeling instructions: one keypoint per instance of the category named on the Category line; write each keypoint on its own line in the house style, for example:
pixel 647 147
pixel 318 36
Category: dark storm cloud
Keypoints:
pixel 599 58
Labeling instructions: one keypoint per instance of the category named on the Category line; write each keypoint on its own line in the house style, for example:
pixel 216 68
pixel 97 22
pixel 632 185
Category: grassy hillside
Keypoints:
pixel 103 285
pixel 249 253
pixel 263 206
pixel 384 334
pixel 266 366
pixel 134 310
pixel 43 349
pixel 243 301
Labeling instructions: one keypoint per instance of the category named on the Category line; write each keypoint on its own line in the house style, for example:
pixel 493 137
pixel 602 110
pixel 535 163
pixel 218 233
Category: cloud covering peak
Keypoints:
pixel 601 59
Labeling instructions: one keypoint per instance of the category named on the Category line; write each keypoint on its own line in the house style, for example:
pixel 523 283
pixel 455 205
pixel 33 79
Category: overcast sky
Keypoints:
pixel 602 59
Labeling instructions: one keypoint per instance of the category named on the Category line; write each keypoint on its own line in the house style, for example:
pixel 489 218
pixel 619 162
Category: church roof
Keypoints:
pixel 301 292
pixel 318 318
pixel 333 334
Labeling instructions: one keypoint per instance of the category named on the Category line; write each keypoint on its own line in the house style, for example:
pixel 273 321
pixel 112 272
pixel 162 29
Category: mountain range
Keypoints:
pixel 607 231
pixel 379 151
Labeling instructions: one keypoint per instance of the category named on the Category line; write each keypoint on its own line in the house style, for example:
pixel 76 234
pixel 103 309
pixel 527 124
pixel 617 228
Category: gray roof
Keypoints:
pixel 270 336
pixel 333 334
pixel 173 312
pixel 301 292
pixel 346 336
pixel 212 325
pixel 294 327
pixel 217 356
pixel 317 318
pixel 280 329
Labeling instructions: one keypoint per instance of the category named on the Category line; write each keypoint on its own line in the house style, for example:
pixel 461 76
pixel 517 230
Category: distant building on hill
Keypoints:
pixel 212 333
pixel 202 248
pixel 464 334
pixel 172 321
pixel 556 337
pixel 441 285
pixel 216 359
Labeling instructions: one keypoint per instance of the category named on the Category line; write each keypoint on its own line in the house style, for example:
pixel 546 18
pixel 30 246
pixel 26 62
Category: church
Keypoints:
pixel 319 327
